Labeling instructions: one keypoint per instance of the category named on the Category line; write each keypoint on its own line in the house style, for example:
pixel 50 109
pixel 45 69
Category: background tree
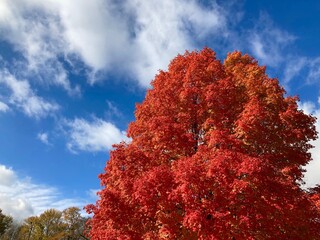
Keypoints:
pixel 54 225
pixel 48 225
pixel 12 232
pixel 51 224
pixel 217 153
pixel 74 223
pixel 30 228
pixel 5 223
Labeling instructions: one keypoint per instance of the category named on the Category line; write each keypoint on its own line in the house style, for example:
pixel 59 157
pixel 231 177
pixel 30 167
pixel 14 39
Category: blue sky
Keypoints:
pixel 71 72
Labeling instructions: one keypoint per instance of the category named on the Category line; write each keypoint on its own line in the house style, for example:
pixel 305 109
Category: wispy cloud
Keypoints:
pixel 113 111
pixel 23 97
pixel 313 70
pixel 21 197
pixel 302 68
pixel 3 107
pixel 270 45
pixel 268 42
pixel 293 68
pixel 92 136
pixel 43 137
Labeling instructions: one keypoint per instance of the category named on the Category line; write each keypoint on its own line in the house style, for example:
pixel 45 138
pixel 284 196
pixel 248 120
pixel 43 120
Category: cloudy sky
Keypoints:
pixel 71 72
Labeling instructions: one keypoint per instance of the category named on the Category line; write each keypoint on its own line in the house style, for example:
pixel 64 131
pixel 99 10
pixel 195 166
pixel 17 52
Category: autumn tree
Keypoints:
pixel 12 232
pixel 5 223
pixel 30 228
pixel 75 224
pixel 315 196
pixel 47 226
pixel 53 224
pixel 217 152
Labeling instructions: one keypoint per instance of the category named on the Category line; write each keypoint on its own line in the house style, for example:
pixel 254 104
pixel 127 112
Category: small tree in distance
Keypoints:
pixel 5 223
pixel 53 224
pixel 217 153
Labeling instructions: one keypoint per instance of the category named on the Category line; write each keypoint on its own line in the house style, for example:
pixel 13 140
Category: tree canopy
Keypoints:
pixel 5 223
pixel 52 224
pixel 217 152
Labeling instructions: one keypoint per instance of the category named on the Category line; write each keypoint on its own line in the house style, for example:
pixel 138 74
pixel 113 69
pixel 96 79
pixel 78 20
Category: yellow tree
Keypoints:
pixel 74 223
pixel 47 226
pixel 54 225
pixel 5 223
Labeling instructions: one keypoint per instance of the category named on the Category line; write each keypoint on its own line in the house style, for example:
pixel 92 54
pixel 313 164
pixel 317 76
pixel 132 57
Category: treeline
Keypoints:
pixel 50 225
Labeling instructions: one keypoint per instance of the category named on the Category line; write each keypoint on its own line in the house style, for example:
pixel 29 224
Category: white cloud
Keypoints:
pixel 95 30
pixel 23 97
pixel 7 176
pixel 3 107
pixel 36 33
pixel 92 136
pixel 35 106
pixel 43 137
pixel 312 176
pixel 139 37
pixel 165 28
pixel 21 198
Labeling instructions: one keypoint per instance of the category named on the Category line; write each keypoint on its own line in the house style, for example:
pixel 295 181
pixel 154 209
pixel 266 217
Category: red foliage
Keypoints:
pixel 217 153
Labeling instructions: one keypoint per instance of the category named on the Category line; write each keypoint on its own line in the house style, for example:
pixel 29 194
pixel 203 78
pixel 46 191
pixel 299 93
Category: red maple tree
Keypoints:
pixel 217 153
